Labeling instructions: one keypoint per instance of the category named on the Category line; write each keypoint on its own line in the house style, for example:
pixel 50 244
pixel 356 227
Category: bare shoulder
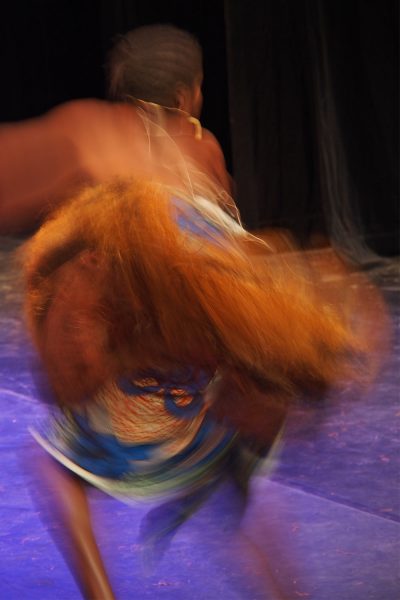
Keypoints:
pixel 210 139
pixel 214 149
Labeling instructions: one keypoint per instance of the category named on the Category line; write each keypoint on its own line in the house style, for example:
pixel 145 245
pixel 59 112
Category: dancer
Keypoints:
pixel 155 75
pixel 172 340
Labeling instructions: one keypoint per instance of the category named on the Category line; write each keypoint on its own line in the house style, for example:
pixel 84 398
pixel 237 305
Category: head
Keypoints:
pixel 158 63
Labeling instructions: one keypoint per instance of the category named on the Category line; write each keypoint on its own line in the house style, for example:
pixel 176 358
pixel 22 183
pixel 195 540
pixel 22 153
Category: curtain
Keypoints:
pixel 313 98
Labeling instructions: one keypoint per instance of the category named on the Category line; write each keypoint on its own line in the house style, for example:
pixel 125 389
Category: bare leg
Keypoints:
pixel 73 511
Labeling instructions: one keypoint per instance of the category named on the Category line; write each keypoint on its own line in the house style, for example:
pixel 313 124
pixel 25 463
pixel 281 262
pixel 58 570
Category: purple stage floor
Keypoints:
pixel 322 525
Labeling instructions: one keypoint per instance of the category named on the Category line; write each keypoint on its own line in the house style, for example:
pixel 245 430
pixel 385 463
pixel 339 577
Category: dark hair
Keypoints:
pixel 149 62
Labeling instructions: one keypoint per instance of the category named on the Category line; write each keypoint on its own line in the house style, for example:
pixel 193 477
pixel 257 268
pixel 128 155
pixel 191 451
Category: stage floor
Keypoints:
pixel 322 525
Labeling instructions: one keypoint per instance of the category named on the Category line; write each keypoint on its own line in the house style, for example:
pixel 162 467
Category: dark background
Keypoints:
pixel 262 63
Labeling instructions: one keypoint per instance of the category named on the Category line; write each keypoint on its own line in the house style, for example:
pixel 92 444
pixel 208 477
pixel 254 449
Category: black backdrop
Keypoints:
pixel 296 68
pixel 261 98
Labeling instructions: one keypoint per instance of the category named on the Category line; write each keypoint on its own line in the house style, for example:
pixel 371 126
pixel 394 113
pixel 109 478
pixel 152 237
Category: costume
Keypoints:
pixel 151 435
pixel 139 296
pixel 150 442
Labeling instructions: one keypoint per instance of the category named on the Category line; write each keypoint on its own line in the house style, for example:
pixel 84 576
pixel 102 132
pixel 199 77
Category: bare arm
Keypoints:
pixel 41 164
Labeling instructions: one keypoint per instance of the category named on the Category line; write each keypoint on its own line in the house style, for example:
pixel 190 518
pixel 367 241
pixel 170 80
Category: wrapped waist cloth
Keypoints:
pixel 142 438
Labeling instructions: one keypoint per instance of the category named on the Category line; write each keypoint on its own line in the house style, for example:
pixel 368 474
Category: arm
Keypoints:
pixel 41 164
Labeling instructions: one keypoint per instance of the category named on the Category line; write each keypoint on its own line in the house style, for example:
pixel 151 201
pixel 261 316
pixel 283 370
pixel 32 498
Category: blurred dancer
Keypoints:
pixel 150 129
pixel 172 340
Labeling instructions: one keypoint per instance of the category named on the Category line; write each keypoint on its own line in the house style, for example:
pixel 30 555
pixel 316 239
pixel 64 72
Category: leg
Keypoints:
pixel 73 511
